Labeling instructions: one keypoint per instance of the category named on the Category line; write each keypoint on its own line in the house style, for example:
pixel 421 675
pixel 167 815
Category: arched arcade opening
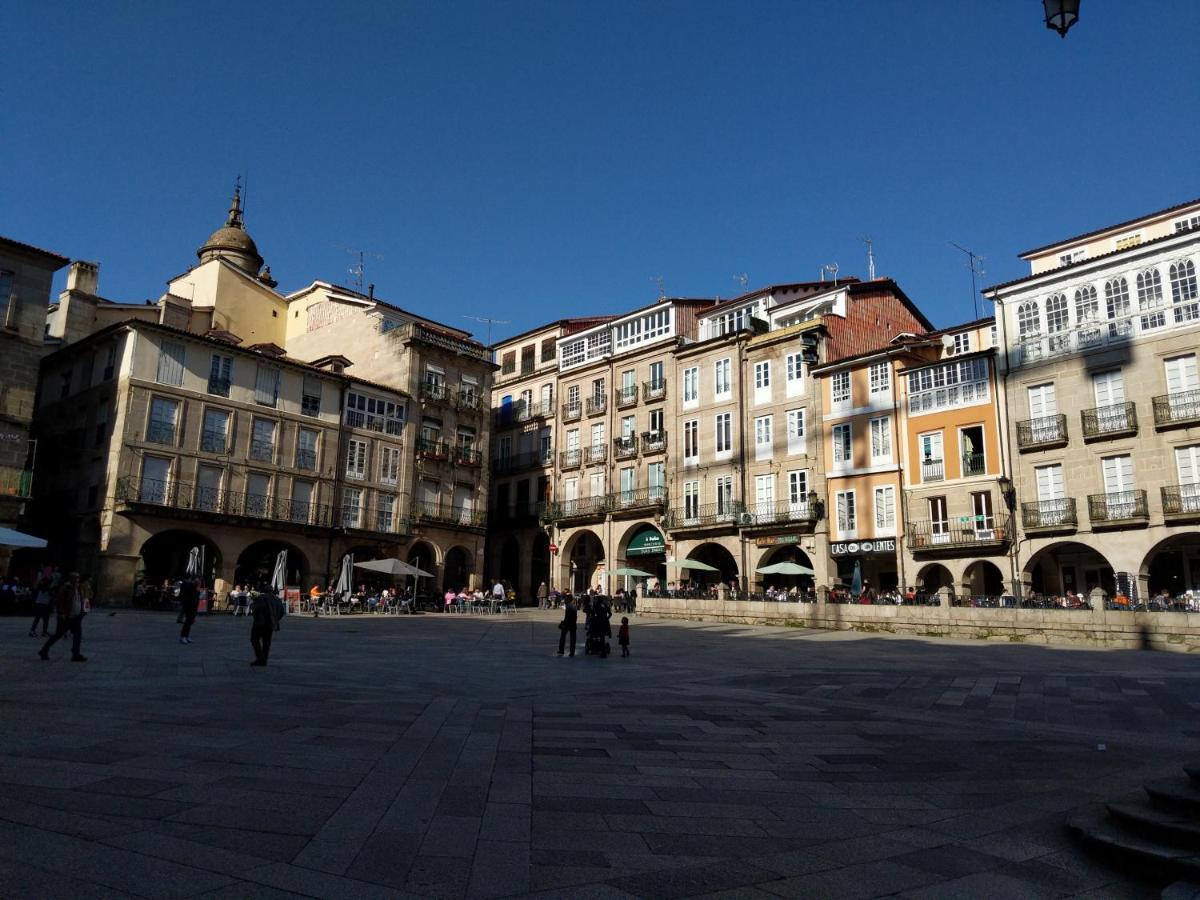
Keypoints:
pixel 1172 567
pixel 457 569
pixel 256 563
pixel 1068 567
pixel 788 553
pixel 582 556
pixel 164 557
pixel 719 558
pixel 984 579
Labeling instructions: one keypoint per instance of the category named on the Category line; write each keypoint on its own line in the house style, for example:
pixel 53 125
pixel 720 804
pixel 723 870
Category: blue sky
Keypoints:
pixel 528 160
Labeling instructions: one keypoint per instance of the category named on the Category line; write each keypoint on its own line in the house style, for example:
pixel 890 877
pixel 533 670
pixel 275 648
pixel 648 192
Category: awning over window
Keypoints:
pixel 646 543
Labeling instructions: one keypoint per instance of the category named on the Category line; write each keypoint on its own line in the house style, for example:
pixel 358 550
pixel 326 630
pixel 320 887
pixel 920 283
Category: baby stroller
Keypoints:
pixel 598 630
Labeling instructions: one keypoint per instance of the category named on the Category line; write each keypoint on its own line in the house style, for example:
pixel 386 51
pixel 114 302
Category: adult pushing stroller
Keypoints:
pixel 598 629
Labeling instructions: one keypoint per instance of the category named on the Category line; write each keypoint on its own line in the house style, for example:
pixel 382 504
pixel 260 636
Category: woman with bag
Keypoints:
pixel 41 608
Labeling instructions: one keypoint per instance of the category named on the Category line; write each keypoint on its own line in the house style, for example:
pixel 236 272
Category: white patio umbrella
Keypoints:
pixel 279 576
pixel 344 583
pixel 11 538
pixel 692 564
pixel 195 563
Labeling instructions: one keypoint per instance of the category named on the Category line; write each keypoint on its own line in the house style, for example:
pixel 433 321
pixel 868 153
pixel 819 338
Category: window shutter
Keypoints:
pixel 170 363
pixel 266 386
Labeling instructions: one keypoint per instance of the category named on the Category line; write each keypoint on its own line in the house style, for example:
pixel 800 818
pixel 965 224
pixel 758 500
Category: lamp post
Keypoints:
pixel 1061 15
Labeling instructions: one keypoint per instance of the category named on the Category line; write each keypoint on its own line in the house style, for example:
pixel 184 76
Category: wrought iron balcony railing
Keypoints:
pixel 780 512
pixel 431 448
pixel 571 411
pixel 964 532
pixel 468 401
pixel 519 462
pixel 570 459
pixel 412 331
pixel 708 515
pixel 445 514
pixel 1048 431
pixel 638 498
pixel 1181 499
pixel 214 442
pixel 1117 420
pixel 597 453
pixel 933 470
pixel 570 509
pixel 1049 514
pixel 15 482
pixel 467 456
pixel 306 459
pixel 627 396
pixel 625 447
pixel 185 496
pixel 596 405
pixel 1119 506
pixel 161 433
pixel 653 391
pixel 973 464
pixel 1180 408
pixel 218 387
pixel 262 451
pixel 654 441
pixel 433 391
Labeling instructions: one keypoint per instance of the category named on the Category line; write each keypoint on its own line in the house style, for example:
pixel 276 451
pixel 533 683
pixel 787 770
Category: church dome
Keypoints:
pixel 231 241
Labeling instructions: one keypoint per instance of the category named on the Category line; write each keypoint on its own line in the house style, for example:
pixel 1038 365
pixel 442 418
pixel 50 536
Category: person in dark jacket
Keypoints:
pixel 68 603
pixel 189 603
pixel 568 626
pixel 266 610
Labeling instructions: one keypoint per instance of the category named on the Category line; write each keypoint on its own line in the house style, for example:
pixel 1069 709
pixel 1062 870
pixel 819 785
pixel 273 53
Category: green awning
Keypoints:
pixel 646 543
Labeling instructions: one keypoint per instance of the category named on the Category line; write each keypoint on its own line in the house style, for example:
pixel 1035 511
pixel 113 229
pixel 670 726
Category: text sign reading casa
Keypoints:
pixel 859 548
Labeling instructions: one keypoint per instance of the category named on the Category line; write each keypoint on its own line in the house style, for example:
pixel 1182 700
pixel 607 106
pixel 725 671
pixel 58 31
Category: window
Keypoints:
pixel 847 517
pixel 691 443
pixel 548 349
pixel 110 360
pixel 208 488
pixel 1087 305
pixel 691 385
pixel 1065 259
pixel 351 507
pixel 258 494
pixel 214 436
pixel 657 381
pixel 981 508
pixel 959 383
pixel 656 478
pixel 266 385
pixel 932 460
pixel 881 381
pixel 795 432
pixel 1191 223
pixel 306 449
pixel 598 436
pixel 528 358
pixel 573 440
pixel 656 421
pixel 1126 241
pixel 842 449
pixel 881 439
pixel 356 459
pixel 762 377
pixel 962 343
pixel 385 507
pixel 885 510
pixel 724 434
pixel 628 484
pixel 724 494
pixel 573 396
pixel 840 387
pixel 1057 320
pixel 1042 401
pixel 798 490
pixel 644 328
pixel 596 484
pixel 156 479
pixel 220 375
pixel 170 363
pixel 374 414
pixel 1116 302
pixel 1187 467
pixel 262 440
pixel 1150 299
pixel 310 397
pixel 1183 291
pixel 468 390
pixel 793 366
pixel 763 442
pixel 992 337
pixel 1108 388
pixel 65 387
pixel 6 298
pixel 573 353
pixel 939 521
pixel 691 500
pixel 1118 474
pixel 1182 385
pixel 389 465
pixel 1029 320
pixel 764 494
pixel 163 412
pixel 508 363
pixel 628 426
pixel 722 379
pixel 598 395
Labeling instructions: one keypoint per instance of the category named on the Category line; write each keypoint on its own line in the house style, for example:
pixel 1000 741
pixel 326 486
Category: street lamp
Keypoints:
pixel 1061 15
pixel 1007 491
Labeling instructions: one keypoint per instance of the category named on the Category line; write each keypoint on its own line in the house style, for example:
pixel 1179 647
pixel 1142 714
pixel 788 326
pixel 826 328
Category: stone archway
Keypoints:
pixel 1173 566
pixel 1068 566
pixel 643 547
pixel 983 578
pixel 457 568
pixel 581 556
pixel 257 561
pixel 717 556
pixel 786 553
pixel 539 563
pixel 508 567
pixel 933 576
pixel 164 556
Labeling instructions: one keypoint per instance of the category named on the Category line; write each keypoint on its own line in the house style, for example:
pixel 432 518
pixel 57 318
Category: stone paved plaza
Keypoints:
pixel 442 756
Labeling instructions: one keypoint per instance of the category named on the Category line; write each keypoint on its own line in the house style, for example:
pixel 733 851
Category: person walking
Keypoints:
pixel 41 608
pixel 189 604
pixel 543 595
pixel 265 612
pixel 623 636
pixel 568 626
pixel 69 605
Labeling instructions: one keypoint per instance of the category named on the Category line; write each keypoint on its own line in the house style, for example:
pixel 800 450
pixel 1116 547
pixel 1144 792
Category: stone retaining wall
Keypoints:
pixel 1095 627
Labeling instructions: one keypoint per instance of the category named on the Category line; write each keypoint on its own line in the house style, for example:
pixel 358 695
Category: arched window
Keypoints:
pixel 1057 320
pixel 1150 299
pixel 1116 300
pixel 1183 291
pixel 1087 315
pixel 1029 321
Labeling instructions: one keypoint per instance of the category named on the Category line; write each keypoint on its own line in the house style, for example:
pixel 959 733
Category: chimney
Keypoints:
pixel 84 277
pixel 371 291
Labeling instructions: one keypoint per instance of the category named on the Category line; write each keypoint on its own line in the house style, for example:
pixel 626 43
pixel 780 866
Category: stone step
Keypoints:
pixel 1176 794
pixel 1157 824
pixel 1138 856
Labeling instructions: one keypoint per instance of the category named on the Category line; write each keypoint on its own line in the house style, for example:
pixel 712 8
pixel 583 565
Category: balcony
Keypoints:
pixel 433 392
pixel 933 470
pixel 627 396
pixel 262 451
pixel 519 412
pixel 1181 502
pixel 625 447
pixel 183 498
pixel 1097 333
pixel 597 406
pixel 571 411
pixel 654 442
pixel 214 442
pixel 583 508
pixel 597 453
pixel 412 331
pixel 467 456
pixel 973 464
pixel 1043 433
pixel 1043 516
pixel 218 387
pixel 638 499
pixel 520 462
pixel 1119 509
pixel 445 514
pixel 710 515
pixel 15 482
pixel 967 535
pixel 653 391
pixel 1103 422
pixel 1177 410
pixel 161 433
pixel 306 460
pixel 467 401
pixel 431 448
pixel 781 512
pixel 570 459
pixel 310 405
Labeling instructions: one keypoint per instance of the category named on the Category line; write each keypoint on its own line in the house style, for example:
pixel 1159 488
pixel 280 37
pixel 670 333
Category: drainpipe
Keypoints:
pixel 741 357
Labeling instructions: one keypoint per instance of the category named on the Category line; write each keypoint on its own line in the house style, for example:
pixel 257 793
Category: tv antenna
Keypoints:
pixel 973 263
pixel 662 289
pixel 358 270
pixel 490 322
pixel 830 269
pixel 870 257
pixel 742 278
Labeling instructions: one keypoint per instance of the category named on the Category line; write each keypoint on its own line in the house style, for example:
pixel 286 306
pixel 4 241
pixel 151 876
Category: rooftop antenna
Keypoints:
pixel 870 257
pixel 662 290
pixel 973 263
pixel 490 322
pixel 831 269
pixel 743 279
pixel 358 270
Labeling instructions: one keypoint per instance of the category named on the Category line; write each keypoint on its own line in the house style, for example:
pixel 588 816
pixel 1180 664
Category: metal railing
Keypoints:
pixel 415 332
pixel 15 482
pixel 1042 432
pixel 596 453
pixel 654 441
pixel 1098 332
pixel 627 396
pixel 429 448
pixel 160 433
pixel 1049 514
pixel 469 401
pixel 519 462
pixel 638 498
pixel 584 506
pixel 434 391
pixel 776 513
pixel 571 411
pixel 708 515
pixel 214 442
pixel 973 464
pixel 218 387
pixel 625 447
pixel 966 532
pixel 1182 407
pixel 596 405
pixel 467 456
pixel 373 422
pixel 262 451
pixel 444 513
pixel 183 495
pixel 570 459
pixel 1103 421
pixel 1181 499
pixel 310 405
pixel 654 390
pixel 1118 506
pixel 933 470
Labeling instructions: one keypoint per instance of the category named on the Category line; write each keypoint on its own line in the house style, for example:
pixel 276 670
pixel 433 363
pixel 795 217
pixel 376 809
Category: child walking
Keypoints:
pixel 623 635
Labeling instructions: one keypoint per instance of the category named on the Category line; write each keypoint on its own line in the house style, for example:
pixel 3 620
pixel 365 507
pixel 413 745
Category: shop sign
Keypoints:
pixel 863 548
pixel 773 540
pixel 646 543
